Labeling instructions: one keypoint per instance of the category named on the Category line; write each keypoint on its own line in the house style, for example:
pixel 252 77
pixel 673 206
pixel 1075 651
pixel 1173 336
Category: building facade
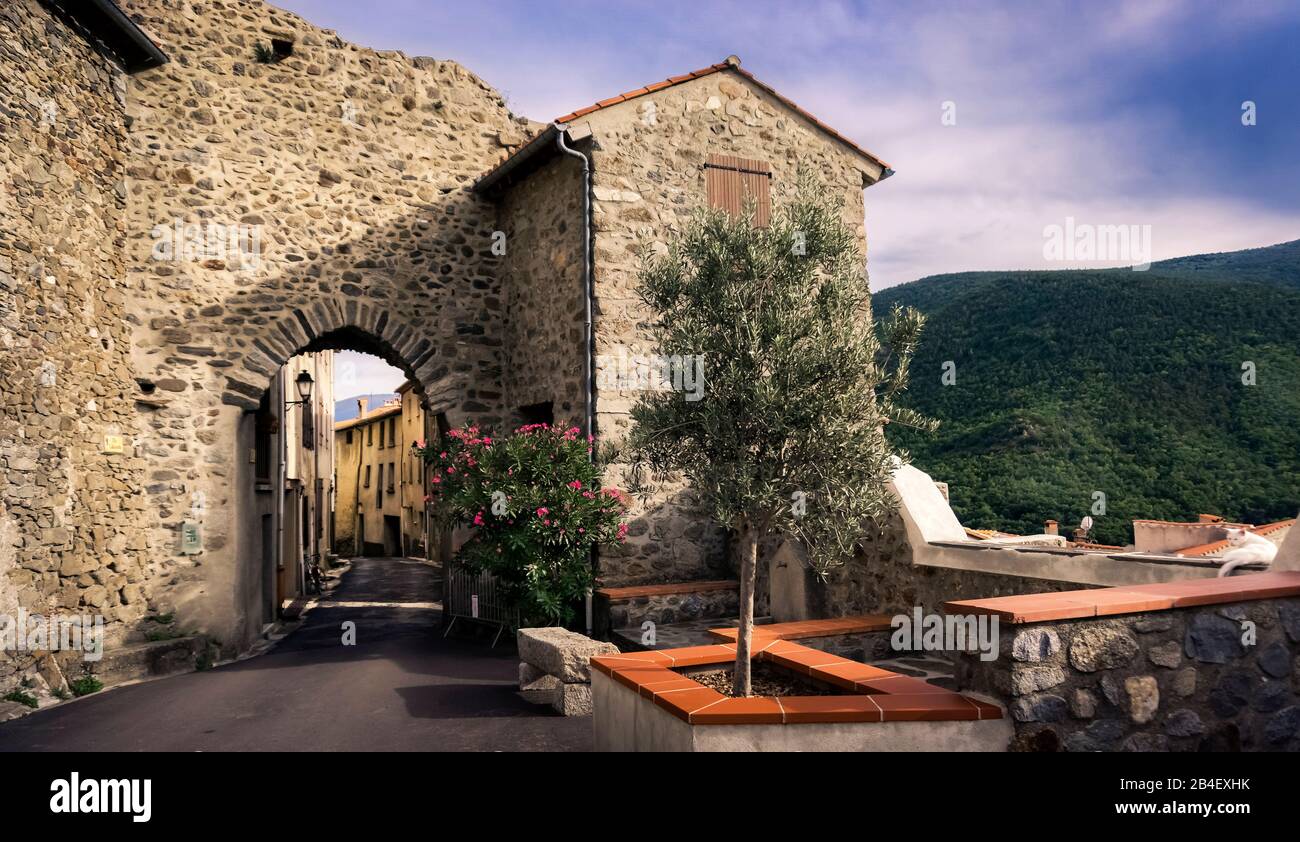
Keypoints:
pixel 381 485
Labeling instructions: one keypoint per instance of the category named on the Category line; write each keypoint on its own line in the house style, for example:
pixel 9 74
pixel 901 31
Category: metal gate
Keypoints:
pixel 479 598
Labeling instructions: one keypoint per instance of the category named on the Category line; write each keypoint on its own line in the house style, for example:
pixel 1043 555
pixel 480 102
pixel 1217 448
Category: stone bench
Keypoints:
pixel 555 668
pixel 665 603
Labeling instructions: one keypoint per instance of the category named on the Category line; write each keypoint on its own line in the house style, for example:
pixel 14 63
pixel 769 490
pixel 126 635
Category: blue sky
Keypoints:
pixel 1110 113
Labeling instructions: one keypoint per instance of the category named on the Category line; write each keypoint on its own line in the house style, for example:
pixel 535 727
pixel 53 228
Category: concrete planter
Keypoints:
pixel 640 703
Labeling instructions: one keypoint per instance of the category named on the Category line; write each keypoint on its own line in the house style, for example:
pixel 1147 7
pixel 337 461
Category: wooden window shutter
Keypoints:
pixel 730 181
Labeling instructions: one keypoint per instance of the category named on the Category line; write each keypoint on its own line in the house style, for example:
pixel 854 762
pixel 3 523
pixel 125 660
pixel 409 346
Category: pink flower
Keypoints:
pixel 420 444
pixel 436 479
pixel 478 519
pixel 543 512
pixel 576 484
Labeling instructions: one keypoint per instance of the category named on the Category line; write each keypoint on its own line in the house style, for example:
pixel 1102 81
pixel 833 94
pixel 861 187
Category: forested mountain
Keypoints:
pixel 1069 383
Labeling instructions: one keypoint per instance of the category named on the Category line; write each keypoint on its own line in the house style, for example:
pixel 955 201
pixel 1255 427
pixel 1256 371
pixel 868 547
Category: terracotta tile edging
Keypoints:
pixel 1131 599
pixel 878 696
pixel 802 629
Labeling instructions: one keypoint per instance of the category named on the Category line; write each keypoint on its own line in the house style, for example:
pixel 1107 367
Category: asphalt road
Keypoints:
pixel 402 687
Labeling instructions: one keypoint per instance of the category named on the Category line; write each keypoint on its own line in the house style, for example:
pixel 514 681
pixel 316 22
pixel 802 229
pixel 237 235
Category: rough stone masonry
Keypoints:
pixel 171 236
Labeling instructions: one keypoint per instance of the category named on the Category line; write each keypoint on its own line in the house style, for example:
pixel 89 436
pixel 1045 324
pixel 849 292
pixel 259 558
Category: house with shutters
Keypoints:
pixel 645 160
pixel 260 189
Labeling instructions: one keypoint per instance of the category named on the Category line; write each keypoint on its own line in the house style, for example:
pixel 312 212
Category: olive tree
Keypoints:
pixel 787 438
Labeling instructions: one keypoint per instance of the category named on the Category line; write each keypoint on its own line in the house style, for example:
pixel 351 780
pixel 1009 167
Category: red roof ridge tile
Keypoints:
pixel 731 63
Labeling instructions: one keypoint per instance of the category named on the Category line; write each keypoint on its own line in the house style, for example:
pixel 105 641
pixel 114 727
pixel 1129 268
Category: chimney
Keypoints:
pixel 1050 527
pixel 1209 519
pixel 362 403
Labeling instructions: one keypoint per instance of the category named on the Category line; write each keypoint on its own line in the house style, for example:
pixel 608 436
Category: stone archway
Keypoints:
pixel 221 588
pixel 134 358
pixel 330 194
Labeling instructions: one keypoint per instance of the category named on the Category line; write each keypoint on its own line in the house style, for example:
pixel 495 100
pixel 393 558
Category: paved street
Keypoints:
pixel 401 688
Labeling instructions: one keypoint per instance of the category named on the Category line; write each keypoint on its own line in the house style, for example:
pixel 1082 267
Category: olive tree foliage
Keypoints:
pixel 788 436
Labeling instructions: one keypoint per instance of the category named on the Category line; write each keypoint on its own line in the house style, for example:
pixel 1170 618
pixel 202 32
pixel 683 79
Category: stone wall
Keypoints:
pixel 1177 680
pixel 171 238
pixel 881 578
pixel 647 160
pixel 72 515
pixel 341 175
pixel 544 288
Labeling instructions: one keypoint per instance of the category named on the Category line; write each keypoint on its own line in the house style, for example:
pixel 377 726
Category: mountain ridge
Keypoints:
pixel 1069 383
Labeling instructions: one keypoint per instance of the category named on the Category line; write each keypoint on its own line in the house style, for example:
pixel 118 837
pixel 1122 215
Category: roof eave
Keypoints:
pixel 541 142
pixel 113 32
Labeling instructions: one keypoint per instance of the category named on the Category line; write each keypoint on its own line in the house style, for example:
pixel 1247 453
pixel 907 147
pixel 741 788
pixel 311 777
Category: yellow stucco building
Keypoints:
pixel 380 483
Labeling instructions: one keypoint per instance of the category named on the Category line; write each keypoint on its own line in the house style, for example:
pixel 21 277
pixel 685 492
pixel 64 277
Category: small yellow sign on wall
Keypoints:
pixel 114 443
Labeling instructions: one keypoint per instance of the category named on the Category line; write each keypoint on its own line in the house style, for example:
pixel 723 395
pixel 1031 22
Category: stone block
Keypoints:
pixel 12 710
pixel 528 673
pixel 1213 639
pixel 561 653
pixel 542 691
pixel 1035 644
pixel 1102 647
pixel 1143 697
pixel 573 700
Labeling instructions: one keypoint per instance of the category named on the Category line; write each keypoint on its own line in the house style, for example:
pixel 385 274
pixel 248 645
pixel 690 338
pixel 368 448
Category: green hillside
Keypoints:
pixel 1128 383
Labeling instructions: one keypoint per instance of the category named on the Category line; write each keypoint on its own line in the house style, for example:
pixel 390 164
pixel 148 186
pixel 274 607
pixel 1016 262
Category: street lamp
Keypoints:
pixel 304 383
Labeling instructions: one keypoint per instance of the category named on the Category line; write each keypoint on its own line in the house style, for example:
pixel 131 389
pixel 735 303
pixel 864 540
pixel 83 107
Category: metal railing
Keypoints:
pixel 480 598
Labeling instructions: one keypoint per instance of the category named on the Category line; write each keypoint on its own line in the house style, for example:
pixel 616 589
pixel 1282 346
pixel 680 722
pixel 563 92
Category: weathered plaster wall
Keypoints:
pixel 72 517
pixel 1178 680
pixel 647 157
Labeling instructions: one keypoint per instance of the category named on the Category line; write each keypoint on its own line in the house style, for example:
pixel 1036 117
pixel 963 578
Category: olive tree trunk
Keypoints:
pixel 748 572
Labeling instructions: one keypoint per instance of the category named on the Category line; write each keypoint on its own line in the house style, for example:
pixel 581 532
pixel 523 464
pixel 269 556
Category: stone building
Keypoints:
pixel 306 416
pixel 646 159
pixel 195 194
pixel 380 484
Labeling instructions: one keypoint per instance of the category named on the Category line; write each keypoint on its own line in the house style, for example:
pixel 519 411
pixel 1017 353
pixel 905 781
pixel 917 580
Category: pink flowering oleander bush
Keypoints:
pixel 536 507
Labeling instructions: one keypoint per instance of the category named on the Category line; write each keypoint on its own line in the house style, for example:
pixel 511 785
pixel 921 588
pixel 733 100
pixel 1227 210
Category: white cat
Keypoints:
pixel 1246 548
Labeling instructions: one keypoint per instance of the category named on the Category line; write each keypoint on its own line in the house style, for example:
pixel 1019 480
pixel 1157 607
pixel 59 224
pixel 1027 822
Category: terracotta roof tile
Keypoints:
pixel 1202 550
pixel 717 68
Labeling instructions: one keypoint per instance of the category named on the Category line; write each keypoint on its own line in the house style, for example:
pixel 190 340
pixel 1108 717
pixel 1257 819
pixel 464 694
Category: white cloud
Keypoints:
pixel 1045 129
pixel 358 374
